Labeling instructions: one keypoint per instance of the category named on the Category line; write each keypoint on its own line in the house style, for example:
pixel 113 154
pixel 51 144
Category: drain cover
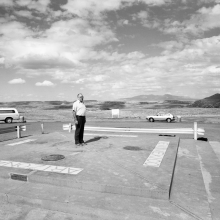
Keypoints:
pixel 53 157
pixel 132 148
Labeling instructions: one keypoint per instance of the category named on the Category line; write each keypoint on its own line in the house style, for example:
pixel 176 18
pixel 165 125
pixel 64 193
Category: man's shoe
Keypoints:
pixel 78 145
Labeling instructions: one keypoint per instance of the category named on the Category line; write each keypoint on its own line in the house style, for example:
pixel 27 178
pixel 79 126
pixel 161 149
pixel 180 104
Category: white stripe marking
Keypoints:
pixel 157 154
pixel 41 167
pixel 113 135
pixel 22 142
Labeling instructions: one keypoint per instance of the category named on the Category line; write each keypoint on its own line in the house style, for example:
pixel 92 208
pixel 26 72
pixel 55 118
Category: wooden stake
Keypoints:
pixel 195 130
pixel 70 127
pixel 42 128
pixel 18 132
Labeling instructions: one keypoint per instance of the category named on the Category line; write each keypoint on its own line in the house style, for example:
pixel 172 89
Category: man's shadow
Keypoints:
pixel 97 138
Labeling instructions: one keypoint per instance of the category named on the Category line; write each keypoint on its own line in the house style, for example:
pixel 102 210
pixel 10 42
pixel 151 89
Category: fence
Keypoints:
pixel 18 128
pixel 195 131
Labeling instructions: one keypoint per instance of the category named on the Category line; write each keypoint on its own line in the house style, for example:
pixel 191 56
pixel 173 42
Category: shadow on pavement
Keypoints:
pixel 97 138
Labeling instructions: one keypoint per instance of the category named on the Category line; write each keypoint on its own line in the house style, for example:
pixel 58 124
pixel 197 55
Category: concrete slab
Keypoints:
pixel 216 147
pixel 188 189
pixel 210 167
pixel 107 165
pixel 93 205
pixel 114 183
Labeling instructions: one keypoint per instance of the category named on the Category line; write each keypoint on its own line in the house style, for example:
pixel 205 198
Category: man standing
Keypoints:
pixel 79 116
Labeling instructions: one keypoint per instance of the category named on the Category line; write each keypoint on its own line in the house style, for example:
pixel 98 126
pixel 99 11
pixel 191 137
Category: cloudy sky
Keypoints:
pixel 54 49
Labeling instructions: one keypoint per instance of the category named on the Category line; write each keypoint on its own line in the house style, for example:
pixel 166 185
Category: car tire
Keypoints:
pixel 8 120
pixel 151 120
pixel 169 120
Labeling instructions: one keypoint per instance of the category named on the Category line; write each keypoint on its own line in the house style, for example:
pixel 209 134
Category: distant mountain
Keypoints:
pixel 158 98
pixel 209 102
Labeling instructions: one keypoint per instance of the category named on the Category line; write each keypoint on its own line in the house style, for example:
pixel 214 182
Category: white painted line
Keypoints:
pixel 74 154
pixel 157 154
pixel 113 135
pixel 22 142
pixel 216 147
pixel 41 167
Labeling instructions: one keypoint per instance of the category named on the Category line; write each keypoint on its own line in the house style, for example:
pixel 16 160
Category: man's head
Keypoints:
pixel 80 97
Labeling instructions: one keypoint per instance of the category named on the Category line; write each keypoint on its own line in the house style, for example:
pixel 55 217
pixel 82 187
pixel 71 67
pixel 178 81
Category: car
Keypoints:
pixel 161 116
pixel 9 114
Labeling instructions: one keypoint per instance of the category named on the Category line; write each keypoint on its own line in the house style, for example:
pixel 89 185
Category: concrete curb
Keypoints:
pixel 35 177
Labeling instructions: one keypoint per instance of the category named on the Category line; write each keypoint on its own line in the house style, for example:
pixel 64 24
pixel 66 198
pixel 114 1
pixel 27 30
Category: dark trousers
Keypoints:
pixel 79 129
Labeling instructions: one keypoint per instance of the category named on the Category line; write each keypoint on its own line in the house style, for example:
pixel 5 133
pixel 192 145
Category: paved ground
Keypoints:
pixel 118 177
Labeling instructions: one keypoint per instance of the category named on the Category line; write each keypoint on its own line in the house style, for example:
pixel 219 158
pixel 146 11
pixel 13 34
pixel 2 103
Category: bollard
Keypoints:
pixel 42 128
pixel 70 127
pixel 178 118
pixel 195 130
pixel 18 132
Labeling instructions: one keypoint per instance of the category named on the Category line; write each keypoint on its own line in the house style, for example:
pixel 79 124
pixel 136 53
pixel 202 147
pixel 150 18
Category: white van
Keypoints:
pixel 10 114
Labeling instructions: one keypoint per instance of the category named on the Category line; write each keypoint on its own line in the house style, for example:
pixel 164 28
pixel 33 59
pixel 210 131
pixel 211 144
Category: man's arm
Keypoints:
pixel 74 117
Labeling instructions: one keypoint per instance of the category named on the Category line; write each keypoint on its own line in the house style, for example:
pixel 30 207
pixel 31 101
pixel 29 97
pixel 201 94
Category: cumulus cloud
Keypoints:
pixel 45 83
pixel 79 45
pixel 205 19
pixel 17 81
pixel 84 8
pixel 24 13
pixel 40 5
pixel 65 43
pixel 2 60
pixel 6 3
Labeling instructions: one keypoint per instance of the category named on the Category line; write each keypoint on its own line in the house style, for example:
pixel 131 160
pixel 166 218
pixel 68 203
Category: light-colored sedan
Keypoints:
pixel 161 116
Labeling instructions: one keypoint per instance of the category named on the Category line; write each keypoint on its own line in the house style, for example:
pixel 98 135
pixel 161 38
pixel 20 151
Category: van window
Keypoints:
pixel 6 111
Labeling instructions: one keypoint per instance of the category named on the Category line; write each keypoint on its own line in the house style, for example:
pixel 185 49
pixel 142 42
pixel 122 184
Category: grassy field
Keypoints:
pixel 62 111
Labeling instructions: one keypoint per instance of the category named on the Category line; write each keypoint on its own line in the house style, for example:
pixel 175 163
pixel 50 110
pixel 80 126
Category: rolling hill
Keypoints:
pixel 157 98
pixel 209 102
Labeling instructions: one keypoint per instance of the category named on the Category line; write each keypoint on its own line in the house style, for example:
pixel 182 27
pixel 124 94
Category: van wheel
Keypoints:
pixel 168 120
pixel 8 120
pixel 151 120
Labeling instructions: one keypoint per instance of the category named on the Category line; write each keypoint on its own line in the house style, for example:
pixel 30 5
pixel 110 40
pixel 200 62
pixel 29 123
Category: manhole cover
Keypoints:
pixel 132 148
pixel 53 157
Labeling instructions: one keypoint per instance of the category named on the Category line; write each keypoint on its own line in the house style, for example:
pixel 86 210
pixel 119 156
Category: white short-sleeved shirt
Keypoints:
pixel 79 108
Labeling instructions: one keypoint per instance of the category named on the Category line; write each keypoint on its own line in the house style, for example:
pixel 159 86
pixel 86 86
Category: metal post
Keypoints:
pixel 195 130
pixel 18 132
pixel 70 127
pixel 42 128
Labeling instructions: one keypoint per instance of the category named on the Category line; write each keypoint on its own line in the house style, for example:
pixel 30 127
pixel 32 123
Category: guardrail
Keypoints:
pixel 195 131
pixel 18 128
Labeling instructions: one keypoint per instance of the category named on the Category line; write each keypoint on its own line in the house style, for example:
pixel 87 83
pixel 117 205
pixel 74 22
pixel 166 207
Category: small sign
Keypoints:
pixel 115 112
pixel 66 127
pixel 23 128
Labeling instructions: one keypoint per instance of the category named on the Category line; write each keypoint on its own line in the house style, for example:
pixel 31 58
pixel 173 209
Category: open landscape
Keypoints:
pixel 129 110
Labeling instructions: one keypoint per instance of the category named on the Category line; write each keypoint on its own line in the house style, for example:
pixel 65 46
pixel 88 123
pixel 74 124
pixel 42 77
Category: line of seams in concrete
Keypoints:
pixel 197 180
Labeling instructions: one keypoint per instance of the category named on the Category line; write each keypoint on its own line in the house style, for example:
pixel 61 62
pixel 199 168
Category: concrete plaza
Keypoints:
pixel 115 176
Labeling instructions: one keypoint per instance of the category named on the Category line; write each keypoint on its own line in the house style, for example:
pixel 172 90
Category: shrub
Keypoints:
pixel 112 105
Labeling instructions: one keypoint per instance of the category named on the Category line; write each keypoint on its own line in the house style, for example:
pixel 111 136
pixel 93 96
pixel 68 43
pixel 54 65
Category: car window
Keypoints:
pixel 6 111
